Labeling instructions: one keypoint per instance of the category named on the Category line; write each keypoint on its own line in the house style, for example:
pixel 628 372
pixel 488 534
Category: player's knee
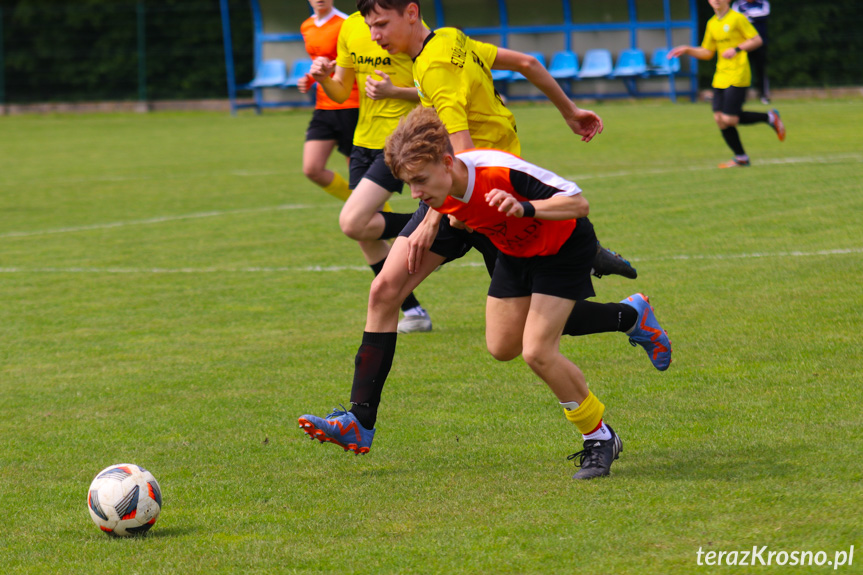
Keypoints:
pixel 538 357
pixel 385 292
pixel 314 172
pixel 503 350
pixel 351 225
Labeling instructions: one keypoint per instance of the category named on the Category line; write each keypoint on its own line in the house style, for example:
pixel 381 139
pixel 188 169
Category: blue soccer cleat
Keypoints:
pixel 648 333
pixel 340 427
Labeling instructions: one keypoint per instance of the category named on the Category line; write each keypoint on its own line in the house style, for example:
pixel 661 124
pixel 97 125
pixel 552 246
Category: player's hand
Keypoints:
pixel 379 89
pixel 458 224
pixel 419 242
pixel 586 124
pixel 504 202
pixel 677 51
pixel 729 54
pixel 322 68
pixel 305 83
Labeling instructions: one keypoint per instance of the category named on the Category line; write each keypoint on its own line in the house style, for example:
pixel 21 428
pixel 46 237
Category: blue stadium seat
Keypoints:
pixel 519 77
pixel 501 75
pixel 630 64
pixel 597 64
pixel 270 74
pixel 300 68
pixel 660 65
pixel 564 65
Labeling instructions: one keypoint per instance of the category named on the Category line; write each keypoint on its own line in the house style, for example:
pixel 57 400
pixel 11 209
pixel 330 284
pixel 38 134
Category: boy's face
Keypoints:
pixel 391 30
pixel 719 5
pixel 432 182
pixel 321 5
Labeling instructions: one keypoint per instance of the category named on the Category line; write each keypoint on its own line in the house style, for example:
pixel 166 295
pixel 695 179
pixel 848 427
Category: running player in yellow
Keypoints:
pixel 453 74
pixel 386 93
pixel 730 35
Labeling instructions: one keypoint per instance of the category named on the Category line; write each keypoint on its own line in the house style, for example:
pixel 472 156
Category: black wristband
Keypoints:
pixel 529 209
pixel 738 49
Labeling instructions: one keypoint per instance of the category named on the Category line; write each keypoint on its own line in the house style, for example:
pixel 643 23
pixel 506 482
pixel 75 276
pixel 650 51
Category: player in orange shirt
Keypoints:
pixel 333 124
pixel 537 220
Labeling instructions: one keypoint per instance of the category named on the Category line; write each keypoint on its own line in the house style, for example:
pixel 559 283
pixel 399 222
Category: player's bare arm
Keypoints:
pixel 336 85
pixel 585 123
pixel 694 51
pixel 747 46
pixel 559 207
pixel 384 88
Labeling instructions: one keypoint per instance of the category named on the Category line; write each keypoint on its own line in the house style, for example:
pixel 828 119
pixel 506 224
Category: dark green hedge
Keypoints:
pixel 85 50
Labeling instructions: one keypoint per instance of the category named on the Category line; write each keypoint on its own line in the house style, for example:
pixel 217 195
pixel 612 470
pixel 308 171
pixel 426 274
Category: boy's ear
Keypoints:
pixel 413 11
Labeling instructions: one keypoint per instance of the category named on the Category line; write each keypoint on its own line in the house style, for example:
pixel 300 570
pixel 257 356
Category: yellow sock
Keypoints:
pixel 588 414
pixel 338 188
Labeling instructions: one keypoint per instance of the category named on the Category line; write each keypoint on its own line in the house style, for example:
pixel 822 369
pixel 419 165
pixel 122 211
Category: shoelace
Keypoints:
pixel 337 413
pixel 588 453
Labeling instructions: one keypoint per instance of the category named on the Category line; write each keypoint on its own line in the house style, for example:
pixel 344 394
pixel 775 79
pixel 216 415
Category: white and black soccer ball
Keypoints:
pixel 124 500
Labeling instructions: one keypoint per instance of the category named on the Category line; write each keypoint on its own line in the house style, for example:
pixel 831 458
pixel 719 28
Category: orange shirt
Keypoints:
pixel 321 37
pixel 519 237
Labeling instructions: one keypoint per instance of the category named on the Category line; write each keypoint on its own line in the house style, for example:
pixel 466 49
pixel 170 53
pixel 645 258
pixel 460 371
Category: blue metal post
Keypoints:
pixel 142 52
pixel 567 22
pixel 672 83
pixel 2 64
pixel 257 31
pixel 229 55
pixel 693 74
pixel 438 11
pixel 504 24
pixel 633 24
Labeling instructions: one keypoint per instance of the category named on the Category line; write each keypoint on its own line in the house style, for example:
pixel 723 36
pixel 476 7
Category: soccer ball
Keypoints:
pixel 124 500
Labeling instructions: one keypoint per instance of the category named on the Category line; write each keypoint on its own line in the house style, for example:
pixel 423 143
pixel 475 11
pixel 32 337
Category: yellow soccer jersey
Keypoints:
pixel 357 50
pixel 719 35
pixel 453 75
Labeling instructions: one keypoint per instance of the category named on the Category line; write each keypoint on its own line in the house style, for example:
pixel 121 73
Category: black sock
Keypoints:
pixel 732 138
pixel 393 224
pixel 376 268
pixel 589 317
pixel 754 118
pixel 371 367
pixel 411 301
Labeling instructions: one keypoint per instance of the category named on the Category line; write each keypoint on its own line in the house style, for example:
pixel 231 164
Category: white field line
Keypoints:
pixel 832 159
pixel 147 177
pixel 149 221
pixel 365 269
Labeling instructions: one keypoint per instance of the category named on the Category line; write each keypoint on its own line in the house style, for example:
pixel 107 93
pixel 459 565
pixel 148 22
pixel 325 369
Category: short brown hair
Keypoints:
pixel 367 6
pixel 420 138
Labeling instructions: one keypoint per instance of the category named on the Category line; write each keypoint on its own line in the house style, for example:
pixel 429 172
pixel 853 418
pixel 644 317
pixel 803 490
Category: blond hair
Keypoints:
pixel 419 139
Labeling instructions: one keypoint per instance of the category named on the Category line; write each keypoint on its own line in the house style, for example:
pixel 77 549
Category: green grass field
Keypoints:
pixel 174 293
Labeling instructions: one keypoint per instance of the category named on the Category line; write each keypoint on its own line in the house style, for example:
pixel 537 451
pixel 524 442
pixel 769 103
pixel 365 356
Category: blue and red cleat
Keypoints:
pixel 340 427
pixel 648 333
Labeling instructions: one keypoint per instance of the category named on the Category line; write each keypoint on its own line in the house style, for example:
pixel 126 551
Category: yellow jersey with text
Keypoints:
pixel 357 50
pixel 721 34
pixel 453 75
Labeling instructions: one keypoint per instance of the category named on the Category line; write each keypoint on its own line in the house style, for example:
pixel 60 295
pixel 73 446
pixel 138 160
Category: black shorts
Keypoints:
pixel 729 100
pixel 368 163
pixel 453 243
pixel 338 125
pixel 566 274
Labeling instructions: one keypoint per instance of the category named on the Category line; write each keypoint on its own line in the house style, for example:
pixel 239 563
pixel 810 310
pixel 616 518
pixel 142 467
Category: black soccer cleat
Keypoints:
pixel 608 262
pixel 597 456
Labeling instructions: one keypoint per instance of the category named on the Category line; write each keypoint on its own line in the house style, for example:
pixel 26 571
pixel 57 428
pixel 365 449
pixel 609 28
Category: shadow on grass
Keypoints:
pixel 734 463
